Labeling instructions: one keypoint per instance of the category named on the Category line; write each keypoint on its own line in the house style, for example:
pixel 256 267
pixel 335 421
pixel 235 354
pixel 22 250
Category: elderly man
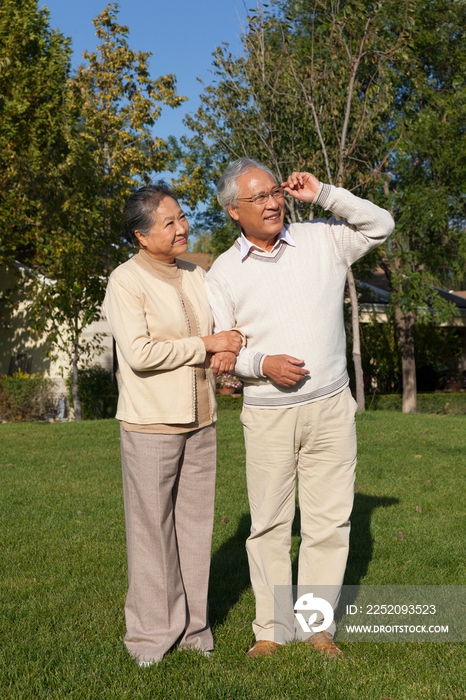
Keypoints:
pixel 283 286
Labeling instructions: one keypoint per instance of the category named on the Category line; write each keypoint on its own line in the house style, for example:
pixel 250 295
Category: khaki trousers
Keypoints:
pixel 316 444
pixel 169 490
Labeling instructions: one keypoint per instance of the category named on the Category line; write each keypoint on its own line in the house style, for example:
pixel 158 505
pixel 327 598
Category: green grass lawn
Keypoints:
pixel 63 571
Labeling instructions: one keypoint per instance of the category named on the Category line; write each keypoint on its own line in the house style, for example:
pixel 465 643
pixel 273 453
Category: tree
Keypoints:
pixel 34 67
pixel 112 106
pixel 313 91
pixel 369 96
pixel 427 176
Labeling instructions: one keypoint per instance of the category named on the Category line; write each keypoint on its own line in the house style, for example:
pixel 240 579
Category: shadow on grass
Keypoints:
pixel 229 573
pixel 361 542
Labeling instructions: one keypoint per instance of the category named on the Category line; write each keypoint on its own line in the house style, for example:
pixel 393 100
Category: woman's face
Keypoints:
pixel 168 236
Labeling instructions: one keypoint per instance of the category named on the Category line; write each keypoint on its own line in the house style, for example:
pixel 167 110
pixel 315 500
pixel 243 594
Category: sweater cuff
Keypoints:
pixel 322 195
pixel 201 353
pixel 258 362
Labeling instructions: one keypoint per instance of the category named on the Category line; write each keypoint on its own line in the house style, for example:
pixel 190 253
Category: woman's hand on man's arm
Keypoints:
pixel 225 341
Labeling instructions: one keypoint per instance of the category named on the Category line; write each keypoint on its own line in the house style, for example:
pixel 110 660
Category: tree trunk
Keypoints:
pixel 356 341
pixel 405 324
pixel 74 383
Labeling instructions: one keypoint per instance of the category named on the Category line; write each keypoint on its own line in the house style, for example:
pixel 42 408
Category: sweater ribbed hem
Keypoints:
pixel 287 400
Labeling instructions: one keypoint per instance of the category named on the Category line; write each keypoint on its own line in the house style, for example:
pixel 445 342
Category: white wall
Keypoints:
pixel 15 336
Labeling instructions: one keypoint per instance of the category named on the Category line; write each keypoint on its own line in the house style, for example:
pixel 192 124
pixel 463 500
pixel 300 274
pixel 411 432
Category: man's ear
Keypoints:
pixel 233 211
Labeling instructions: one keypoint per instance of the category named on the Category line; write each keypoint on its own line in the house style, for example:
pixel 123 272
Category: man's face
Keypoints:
pixel 260 223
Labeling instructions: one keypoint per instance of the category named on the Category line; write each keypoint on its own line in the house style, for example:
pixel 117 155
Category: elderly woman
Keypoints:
pixel 161 321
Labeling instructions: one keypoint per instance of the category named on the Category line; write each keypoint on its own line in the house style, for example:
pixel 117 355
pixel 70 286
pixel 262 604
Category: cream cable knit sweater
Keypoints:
pixel 157 354
pixel 291 302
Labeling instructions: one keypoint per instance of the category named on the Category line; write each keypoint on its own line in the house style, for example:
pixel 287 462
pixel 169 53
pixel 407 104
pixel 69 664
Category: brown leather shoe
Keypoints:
pixel 323 642
pixel 263 648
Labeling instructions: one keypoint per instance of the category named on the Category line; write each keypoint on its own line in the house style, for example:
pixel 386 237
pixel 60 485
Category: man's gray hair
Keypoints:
pixel 227 189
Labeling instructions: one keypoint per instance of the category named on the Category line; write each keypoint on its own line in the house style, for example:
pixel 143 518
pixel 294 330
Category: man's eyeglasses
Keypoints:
pixel 262 197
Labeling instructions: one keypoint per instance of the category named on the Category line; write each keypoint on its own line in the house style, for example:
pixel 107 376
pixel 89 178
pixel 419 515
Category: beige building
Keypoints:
pixel 22 349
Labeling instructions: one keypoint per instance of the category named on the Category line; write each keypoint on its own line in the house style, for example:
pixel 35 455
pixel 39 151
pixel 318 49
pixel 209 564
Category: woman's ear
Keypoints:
pixel 140 238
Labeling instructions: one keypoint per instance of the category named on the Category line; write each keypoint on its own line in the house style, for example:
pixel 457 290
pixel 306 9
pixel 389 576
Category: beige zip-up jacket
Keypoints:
pixel 157 350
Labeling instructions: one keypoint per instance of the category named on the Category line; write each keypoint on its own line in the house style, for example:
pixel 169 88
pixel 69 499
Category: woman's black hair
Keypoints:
pixel 139 210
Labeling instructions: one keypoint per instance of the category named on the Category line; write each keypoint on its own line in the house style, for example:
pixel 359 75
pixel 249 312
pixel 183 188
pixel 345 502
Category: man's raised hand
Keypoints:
pixel 302 186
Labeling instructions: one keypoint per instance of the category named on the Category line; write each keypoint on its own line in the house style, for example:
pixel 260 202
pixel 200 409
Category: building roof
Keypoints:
pixel 204 260
pixel 376 290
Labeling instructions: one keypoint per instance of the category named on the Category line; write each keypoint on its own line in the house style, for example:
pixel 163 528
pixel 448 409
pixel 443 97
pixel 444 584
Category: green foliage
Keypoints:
pixel 25 397
pixel 111 107
pixel 428 166
pixel 369 96
pixel 97 392
pixel 439 348
pixel 202 242
pixel 380 353
pixel 214 232
pixel 34 68
pixel 436 349
pixel 312 91
pixel 438 403
pixel 115 104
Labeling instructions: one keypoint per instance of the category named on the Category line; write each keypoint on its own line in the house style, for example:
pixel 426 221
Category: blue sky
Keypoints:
pixel 180 34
